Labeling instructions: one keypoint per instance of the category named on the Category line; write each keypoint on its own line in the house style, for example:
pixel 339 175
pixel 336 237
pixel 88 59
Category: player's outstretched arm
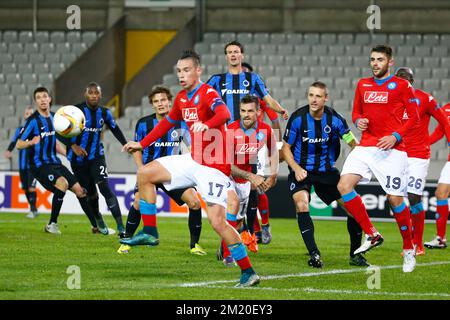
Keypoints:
pixel 275 106
pixel 21 144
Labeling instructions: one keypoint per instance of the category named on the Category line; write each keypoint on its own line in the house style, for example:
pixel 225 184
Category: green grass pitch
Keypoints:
pixel 34 265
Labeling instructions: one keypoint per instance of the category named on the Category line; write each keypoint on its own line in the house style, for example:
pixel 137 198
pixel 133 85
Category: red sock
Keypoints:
pixel 244 264
pixel 263 206
pixel 441 217
pixel 418 222
pixel 149 220
pixel 353 203
pixel 403 217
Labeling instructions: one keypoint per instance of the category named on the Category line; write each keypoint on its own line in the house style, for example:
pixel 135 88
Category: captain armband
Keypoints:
pixel 349 137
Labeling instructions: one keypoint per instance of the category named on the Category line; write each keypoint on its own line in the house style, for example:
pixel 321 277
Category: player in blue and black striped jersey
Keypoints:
pixel 27 180
pixel 169 144
pixel 311 147
pixel 87 156
pixel 39 136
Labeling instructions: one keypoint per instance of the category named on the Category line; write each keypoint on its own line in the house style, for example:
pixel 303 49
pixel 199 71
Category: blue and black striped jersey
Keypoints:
pixel 90 138
pixel 23 153
pixel 233 87
pixel 315 143
pixel 167 145
pixel 43 152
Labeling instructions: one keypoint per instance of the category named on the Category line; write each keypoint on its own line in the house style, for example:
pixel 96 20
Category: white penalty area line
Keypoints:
pixel 307 274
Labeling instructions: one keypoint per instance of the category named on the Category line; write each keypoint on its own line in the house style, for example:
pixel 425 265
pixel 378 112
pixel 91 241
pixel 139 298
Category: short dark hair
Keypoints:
pixel 93 84
pixel 247 65
pixel 321 85
pixel 250 99
pixel 191 54
pixel 159 89
pixel 40 89
pixel 233 43
pixel 383 48
pixel 405 73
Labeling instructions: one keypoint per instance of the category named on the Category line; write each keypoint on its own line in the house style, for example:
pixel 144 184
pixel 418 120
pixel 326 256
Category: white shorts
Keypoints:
pixel 263 164
pixel 389 167
pixel 417 175
pixel 243 193
pixel 211 183
pixel 445 174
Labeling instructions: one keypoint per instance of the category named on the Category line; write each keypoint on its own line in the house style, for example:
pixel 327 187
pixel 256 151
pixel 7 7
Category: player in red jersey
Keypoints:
pixel 379 105
pixel 207 168
pixel 443 189
pixel 249 136
pixel 418 149
pixel 264 235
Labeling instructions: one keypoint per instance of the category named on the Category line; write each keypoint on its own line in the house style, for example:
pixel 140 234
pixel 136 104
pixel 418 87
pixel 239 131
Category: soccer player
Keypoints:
pixel 265 235
pixel 378 108
pixel 418 149
pixel 87 157
pixel 160 98
pixel 205 114
pixel 443 189
pixel 311 147
pixel 27 180
pixel 249 136
pixel 38 134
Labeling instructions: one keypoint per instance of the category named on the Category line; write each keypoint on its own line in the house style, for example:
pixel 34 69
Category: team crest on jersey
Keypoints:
pixel 327 129
pixel 51 177
pixel 101 122
pixel 197 99
pixel 292 186
pixel 247 148
pixel 392 86
pixel 245 83
pixel 190 114
pixel 376 96
pixel 174 134
pixel 260 136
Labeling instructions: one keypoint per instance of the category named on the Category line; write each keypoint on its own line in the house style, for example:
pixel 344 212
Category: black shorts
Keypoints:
pixel 47 175
pixel 175 195
pixel 27 179
pixel 325 185
pixel 92 171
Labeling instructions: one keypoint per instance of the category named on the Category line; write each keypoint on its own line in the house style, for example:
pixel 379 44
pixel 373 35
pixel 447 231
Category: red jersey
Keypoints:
pixel 208 147
pixel 417 139
pixel 438 133
pixel 265 109
pixel 247 143
pixel 384 104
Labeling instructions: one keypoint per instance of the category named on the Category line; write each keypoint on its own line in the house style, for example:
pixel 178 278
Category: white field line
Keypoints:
pixel 307 274
pixel 354 292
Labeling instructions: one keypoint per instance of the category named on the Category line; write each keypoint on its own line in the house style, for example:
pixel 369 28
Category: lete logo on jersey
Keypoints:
pixel 190 114
pixel 376 97
pixel 247 148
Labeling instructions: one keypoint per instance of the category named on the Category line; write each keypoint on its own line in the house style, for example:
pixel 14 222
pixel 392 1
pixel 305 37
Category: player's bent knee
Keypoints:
pixel 302 206
pixel 62 184
pixel 79 191
pixel 441 193
pixel 414 199
pixel 394 201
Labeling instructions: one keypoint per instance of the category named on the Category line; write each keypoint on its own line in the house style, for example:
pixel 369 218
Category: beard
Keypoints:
pixel 381 73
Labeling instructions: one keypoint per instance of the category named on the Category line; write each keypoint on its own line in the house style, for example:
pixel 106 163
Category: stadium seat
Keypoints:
pixel 63 48
pixel 13 78
pixel 300 71
pixel 268 49
pixel 396 40
pixel 41 68
pixel 226 37
pixel 277 38
pixel 245 38
pixel 319 50
pixel 430 40
pixel 259 60
pixel 440 73
pixel 290 104
pixel 413 62
pixel 283 71
pixel 25 36
pixel 215 69
pixel 6 58
pixel 68 58
pixel 290 82
pixel 275 60
pixel 378 38
pixel 31 47
pixel 328 38
pixel 353 50
pixel 7 100
pixel 341 105
pixel 201 48
pixel 208 59
pixel 311 38
pixel 360 62
pixel 327 61
pixel 304 83
pixel 216 48
pixel 45 79
pixel 345 61
pixel 57 37
pixel 46 48
pixel 17 89
pixel 56 69
pixel 336 50
pixel 285 49
pixel 4 90
pixel 345 39
pixel 343 84
pixel 89 37
pixel 261 38
pixel 439 51
pixel 279 93
pixel 445 62
pixel 169 80
pixel 15 47
pixel 73 37
pixel 3 47
pixel 251 48
pixel 445 39
pixel 440 96
pixel 21 58
pixel 413 39
pixel 422 51
pixel 265 70
pixel 302 49
pixel 79 48
pixel 10 36
pixel 24 68
pixel 53 58
pixel 298 93
pixel 8 68
pixel 431 85
pixel 335 72
pixel 292 60
pixel 11 122
pixel 210 37
pixel 422 73
pixel 310 61
pixel 362 39
pixel 273 82
pixel 318 71
pixel 7 111
pixel 124 122
pixel 36 58
pixel 42 37
pixel 352 72
pixel 294 38
pixel 133 112
pixel 445 85
pixel 431 62
pixel 2 78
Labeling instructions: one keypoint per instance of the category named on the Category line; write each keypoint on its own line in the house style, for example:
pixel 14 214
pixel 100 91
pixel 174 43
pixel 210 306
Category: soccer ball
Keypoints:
pixel 69 121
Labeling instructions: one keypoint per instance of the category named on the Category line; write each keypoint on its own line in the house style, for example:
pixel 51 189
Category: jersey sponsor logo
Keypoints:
pixel 315 140
pixel 234 91
pixel 247 148
pixel 392 85
pixel 190 114
pixel 167 144
pixel 92 129
pixel 47 134
pixel 376 97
